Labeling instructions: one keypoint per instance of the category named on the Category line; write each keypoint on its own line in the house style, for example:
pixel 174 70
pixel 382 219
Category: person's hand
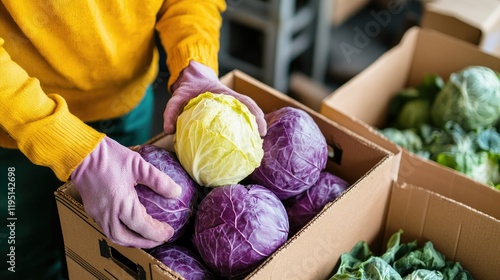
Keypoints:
pixel 106 181
pixel 195 79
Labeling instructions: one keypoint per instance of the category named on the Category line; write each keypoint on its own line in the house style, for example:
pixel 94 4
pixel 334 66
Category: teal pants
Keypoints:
pixel 31 243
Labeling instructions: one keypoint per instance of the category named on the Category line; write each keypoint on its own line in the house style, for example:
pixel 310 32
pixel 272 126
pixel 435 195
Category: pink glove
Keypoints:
pixel 106 181
pixel 196 79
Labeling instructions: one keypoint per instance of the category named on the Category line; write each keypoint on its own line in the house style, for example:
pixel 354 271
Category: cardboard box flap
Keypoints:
pixel 443 54
pixel 448 182
pixel 474 21
pixel 491 43
pixel 482 14
pixel 428 216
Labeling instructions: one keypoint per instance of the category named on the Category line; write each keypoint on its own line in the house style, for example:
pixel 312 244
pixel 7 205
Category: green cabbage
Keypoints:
pixel 471 98
pixel 475 154
pixel 414 114
pixel 456 124
pixel 217 140
pixel 410 107
pixel 406 138
pixel 400 261
pixel 479 166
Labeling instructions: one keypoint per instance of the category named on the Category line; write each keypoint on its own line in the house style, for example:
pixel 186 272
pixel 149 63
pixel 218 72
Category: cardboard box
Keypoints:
pixel 342 10
pixel 474 21
pixel 458 231
pixel 366 166
pixel 361 105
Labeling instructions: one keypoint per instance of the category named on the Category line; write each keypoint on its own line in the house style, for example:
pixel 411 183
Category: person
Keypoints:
pixel 75 93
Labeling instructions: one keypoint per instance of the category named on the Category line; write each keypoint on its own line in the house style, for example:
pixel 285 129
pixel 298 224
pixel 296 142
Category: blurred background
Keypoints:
pixel 304 48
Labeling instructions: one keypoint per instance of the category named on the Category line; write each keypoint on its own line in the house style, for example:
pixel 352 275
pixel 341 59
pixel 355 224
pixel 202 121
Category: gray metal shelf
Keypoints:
pixel 287 33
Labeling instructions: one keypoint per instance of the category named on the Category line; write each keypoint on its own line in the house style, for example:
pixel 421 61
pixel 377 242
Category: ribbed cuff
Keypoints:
pixel 179 58
pixel 60 141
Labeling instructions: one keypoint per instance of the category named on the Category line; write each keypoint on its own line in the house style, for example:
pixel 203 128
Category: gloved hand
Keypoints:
pixel 106 181
pixel 195 79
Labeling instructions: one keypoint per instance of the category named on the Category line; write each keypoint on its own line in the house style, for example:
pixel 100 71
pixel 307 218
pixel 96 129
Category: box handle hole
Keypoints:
pixel 335 154
pixel 134 269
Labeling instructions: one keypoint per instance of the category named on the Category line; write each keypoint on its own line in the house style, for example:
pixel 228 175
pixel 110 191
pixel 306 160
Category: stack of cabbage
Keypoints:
pixel 293 166
pixel 250 193
pixel 454 123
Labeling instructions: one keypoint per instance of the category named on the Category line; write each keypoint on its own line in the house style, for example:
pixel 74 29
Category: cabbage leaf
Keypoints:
pixel 404 261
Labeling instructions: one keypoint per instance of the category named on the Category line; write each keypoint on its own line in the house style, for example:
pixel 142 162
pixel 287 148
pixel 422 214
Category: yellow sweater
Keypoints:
pixel 63 63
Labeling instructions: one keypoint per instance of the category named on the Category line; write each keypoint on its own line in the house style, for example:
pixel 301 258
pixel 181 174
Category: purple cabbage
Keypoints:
pixel 177 212
pixel 183 261
pixel 303 207
pixel 295 152
pixel 237 227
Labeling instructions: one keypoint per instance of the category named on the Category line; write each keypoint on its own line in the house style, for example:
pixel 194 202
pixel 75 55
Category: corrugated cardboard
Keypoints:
pixel 435 177
pixel 342 10
pixel 366 166
pixel 475 21
pixel 361 105
pixel 90 255
pixel 458 231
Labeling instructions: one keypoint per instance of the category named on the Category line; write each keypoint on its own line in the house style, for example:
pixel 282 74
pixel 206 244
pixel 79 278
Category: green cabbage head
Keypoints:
pixel 471 98
pixel 217 140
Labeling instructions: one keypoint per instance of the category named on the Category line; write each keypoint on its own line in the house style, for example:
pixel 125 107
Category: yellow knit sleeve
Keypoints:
pixel 41 124
pixel 190 30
